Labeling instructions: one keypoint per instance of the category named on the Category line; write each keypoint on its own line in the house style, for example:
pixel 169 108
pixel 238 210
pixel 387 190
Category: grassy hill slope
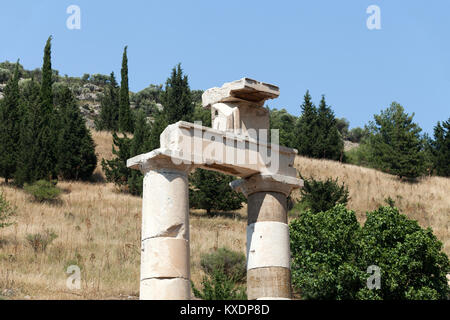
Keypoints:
pixel 98 229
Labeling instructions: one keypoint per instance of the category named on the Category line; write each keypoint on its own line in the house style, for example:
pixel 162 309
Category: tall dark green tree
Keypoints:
pixel 116 170
pixel 176 98
pixel 125 116
pixel 10 126
pixel 440 147
pixel 306 128
pixel 395 144
pixel 27 168
pixel 329 143
pixel 47 124
pixel 76 158
pixel 141 143
pixel 108 118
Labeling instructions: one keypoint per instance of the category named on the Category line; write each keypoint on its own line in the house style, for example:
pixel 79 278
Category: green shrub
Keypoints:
pixel 224 269
pixel 319 196
pixel 218 286
pixel 323 249
pixel 43 190
pixel 331 254
pixel 230 263
pixel 6 212
pixel 40 241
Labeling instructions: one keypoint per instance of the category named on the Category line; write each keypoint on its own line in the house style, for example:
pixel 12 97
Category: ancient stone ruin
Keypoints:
pixel 237 144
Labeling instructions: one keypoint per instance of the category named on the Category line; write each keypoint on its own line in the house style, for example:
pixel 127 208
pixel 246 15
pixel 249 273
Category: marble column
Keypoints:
pixel 268 250
pixel 165 263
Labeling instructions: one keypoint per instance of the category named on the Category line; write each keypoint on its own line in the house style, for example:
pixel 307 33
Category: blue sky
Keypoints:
pixel 323 46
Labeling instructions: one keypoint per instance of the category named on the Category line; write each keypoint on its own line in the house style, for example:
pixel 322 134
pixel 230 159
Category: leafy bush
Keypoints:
pixel 410 257
pixel 219 287
pixel 331 254
pixel 43 190
pixel 40 241
pixel 321 196
pixel 6 212
pixel 230 263
pixel 323 249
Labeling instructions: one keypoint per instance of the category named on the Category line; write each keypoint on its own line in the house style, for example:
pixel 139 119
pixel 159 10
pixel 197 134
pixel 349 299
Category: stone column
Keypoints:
pixel 165 263
pixel 268 249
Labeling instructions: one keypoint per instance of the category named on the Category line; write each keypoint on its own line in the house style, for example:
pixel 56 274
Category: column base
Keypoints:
pixel 269 283
pixel 165 289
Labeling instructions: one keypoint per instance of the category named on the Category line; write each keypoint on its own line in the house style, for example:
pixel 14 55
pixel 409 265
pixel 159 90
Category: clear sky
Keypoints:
pixel 323 46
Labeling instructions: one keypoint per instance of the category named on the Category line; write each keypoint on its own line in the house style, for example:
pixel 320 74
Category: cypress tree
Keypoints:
pixel 125 116
pixel 76 149
pixel 441 148
pixel 306 128
pixel 140 144
pixel 27 167
pixel 109 109
pixel 47 125
pixel 116 170
pixel 176 98
pixel 10 126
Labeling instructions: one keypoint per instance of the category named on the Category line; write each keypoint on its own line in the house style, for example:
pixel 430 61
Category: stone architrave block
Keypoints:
pixel 228 153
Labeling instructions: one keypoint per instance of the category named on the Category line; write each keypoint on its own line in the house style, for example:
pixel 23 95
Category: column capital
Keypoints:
pixel 160 160
pixel 266 183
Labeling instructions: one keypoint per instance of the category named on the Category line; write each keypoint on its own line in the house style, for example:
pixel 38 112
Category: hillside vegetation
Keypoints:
pixel 98 229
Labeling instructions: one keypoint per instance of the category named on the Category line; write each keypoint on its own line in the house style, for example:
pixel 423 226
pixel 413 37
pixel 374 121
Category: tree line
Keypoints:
pixel 392 142
pixel 43 135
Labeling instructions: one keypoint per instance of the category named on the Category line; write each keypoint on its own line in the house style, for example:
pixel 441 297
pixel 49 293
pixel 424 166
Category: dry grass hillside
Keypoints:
pixel 98 229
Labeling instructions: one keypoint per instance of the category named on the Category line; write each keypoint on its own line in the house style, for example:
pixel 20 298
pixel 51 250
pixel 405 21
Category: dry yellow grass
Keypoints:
pixel 99 229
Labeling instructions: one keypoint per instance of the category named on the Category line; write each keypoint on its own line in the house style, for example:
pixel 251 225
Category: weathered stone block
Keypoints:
pixel 165 258
pixel 268 245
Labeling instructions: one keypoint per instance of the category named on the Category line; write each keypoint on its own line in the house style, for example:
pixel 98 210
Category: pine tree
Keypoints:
pixel 47 124
pixel 109 109
pixel 125 116
pixel 10 126
pixel 395 143
pixel 176 98
pixel 329 143
pixel 76 149
pixel 306 128
pixel 441 148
